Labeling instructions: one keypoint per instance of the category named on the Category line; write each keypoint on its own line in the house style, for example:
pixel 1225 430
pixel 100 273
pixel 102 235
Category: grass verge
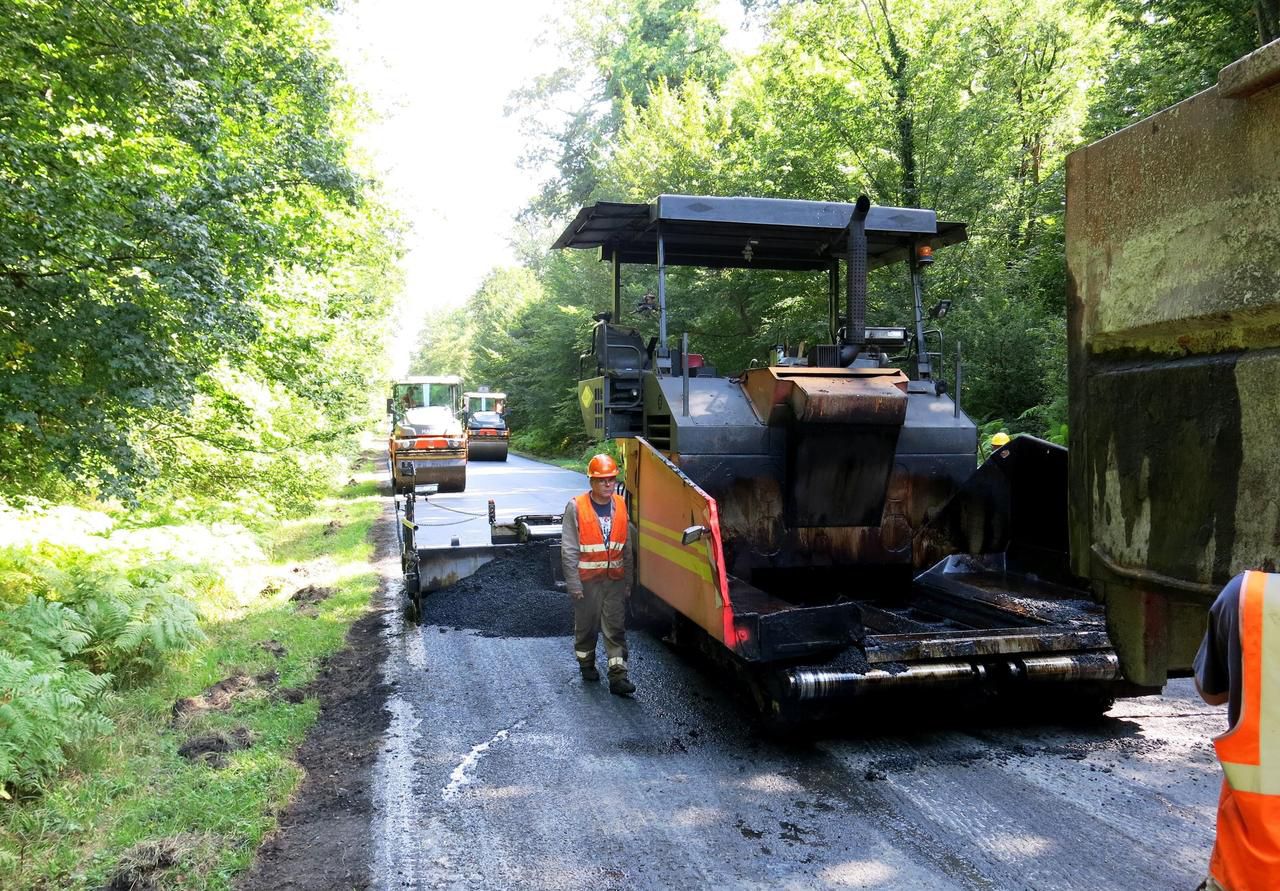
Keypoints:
pixel 574 460
pixel 570 463
pixel 134 811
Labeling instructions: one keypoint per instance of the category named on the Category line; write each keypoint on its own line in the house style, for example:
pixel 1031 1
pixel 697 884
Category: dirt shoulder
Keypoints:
pixel 324 839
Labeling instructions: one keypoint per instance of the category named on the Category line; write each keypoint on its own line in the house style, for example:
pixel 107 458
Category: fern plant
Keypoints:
pixel 43 632
pixel 45 711
pixel 135 617
pixel 73 622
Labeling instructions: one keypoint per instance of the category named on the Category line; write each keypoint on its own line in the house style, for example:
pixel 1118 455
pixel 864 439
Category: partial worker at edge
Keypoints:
pixel 1239 664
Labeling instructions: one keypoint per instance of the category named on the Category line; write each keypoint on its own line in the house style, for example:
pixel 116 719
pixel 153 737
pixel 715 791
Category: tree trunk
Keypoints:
pixel 1268 20
pixel 895 66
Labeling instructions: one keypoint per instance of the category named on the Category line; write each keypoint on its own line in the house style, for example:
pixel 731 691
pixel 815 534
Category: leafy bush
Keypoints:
pixel 539 442
pixel 132 614
pixel 76 621
pixel 47 704
pixel 1047 421
pixel 610 447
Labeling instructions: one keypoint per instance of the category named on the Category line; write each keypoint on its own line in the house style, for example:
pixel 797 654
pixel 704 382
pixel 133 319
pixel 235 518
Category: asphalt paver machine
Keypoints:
pixel 821 523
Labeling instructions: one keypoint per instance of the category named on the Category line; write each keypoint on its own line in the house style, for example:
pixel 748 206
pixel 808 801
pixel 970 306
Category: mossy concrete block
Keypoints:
pixel 1173 230
pixel 1173 257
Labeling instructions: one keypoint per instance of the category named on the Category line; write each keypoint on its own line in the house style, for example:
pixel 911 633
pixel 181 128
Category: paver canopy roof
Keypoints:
pixel 750 233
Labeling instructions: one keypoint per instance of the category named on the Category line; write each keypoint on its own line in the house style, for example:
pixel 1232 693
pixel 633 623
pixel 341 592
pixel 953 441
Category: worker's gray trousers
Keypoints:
pixel 602 607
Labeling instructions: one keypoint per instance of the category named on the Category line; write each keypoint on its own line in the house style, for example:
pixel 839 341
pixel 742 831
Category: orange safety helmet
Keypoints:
pixel 602 466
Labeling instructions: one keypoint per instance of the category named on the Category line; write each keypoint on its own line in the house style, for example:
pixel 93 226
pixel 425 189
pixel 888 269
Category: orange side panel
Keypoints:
pixel 691 578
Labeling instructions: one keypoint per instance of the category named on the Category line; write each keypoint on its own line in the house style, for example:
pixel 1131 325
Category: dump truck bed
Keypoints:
pixel 1173 312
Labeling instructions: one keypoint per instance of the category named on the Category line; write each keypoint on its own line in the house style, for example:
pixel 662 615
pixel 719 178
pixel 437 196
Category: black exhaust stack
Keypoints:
pixel 855 332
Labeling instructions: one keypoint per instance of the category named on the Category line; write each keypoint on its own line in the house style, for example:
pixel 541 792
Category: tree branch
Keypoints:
pixel 20 276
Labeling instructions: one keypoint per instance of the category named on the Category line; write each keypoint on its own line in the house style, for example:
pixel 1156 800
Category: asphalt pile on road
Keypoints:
pixel 512 596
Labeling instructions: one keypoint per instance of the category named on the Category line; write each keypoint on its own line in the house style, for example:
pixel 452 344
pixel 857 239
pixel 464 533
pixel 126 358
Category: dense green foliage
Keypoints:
pixel 194 278
pixel 128 793
pixel 78 620
pixel 190 267
pixel 1167 50
pixel 613 54
pixel 968 108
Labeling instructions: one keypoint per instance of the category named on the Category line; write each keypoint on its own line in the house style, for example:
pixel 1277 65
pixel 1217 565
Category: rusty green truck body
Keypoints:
pixel 1173 255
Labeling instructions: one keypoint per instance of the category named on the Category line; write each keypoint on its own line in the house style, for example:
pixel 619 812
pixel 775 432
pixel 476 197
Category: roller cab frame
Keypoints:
pixel 428 441
pixel 820 521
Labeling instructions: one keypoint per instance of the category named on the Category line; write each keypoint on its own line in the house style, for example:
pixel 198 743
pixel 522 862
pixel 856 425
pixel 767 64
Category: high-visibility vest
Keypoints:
pixel 1246 854
pixel 598 558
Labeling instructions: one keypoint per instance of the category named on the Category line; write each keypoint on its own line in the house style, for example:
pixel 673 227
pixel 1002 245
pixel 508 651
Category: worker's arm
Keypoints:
pixel 1213 664
pixel 569 550
pixel 1210 669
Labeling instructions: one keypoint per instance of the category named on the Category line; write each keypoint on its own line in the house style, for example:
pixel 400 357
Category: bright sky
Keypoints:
pixel 438 75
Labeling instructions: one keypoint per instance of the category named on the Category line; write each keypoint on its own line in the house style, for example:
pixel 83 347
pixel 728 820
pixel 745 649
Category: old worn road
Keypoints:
pixel 503 770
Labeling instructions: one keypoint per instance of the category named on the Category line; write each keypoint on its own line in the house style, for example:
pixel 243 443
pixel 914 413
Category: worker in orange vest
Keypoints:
pixel 1239 664
pixel 599 564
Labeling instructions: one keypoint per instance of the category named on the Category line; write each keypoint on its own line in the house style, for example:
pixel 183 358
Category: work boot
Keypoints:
pixel 620 686
pixel 589 671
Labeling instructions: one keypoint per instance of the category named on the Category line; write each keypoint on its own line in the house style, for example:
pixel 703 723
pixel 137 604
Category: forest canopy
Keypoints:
pixel 967 108
pixel 193 271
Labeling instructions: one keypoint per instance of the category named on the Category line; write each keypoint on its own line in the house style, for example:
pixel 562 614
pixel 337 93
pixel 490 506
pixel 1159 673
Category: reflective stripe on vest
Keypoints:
pixel 1246 854
pixel 596 557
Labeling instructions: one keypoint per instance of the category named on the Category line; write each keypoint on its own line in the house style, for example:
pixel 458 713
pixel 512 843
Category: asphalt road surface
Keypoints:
pixel 502 769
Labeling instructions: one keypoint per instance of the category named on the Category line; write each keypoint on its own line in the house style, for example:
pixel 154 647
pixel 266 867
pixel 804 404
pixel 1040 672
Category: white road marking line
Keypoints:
pixel 460 776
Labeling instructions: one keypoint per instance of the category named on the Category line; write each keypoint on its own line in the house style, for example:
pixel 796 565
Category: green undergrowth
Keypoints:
pixel 554 460
pixel 116 800
pixel 571 459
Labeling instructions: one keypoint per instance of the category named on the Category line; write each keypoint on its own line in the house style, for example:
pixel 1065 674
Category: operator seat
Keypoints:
pixel 620 352
pixel 621 359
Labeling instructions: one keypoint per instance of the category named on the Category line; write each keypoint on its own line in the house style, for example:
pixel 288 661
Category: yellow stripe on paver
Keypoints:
pixel 658 529
pixel 676 555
